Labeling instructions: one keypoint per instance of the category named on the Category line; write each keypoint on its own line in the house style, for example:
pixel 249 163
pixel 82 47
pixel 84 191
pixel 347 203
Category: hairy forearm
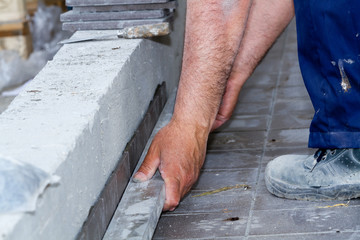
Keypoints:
pixel 214 30
pixel 267 20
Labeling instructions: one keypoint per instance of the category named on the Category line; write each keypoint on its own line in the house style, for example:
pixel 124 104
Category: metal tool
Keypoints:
pixel 143 31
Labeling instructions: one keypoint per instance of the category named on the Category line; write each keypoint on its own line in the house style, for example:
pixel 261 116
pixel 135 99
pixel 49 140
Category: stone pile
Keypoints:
pixel 115 14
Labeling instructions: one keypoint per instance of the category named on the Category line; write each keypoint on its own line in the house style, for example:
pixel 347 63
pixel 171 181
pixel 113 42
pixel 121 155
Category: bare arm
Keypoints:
pixel 267 20
pixel 214 30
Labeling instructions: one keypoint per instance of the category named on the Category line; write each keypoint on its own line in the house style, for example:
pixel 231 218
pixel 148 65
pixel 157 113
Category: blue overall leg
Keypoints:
pixel 329 57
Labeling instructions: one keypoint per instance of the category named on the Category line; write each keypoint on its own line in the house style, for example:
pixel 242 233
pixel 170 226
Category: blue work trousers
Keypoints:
pixel 329 55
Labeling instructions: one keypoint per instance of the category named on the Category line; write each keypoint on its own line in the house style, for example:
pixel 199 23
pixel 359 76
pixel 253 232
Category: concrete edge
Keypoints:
pixel 140 208
pixel 104 208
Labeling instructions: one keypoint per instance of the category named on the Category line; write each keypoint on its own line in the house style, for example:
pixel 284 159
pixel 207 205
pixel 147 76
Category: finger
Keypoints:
pixel 172 194
pixel 149 166
pixel 219 121
pixel 228 103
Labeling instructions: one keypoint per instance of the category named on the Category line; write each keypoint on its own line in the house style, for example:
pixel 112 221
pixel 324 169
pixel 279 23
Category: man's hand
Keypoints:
pixel 179 152
pixel 214 30
pixel 229 99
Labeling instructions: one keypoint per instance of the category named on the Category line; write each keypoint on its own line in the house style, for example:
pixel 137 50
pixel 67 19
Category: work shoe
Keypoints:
pixel 327 175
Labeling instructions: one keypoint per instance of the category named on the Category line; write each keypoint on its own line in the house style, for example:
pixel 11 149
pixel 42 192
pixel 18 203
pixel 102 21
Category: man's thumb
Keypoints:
pixel 148 167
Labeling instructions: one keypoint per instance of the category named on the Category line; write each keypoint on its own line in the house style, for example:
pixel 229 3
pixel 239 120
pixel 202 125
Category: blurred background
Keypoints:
pixel 29 33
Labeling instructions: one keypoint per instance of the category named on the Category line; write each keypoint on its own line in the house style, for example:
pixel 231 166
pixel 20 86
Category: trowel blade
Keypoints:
pixel 103 37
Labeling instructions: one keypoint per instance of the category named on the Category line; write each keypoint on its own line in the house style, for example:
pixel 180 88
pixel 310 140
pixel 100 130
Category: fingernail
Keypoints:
pixel 139 177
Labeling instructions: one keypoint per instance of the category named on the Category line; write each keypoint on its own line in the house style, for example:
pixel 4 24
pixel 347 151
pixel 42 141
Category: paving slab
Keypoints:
pixel 234 159
pixel 236 199
pixel 236 140
pixel 305 220
pixel 201 226
pixel 111 24
pixel 74 16
pixel 126 7
pixel 110 2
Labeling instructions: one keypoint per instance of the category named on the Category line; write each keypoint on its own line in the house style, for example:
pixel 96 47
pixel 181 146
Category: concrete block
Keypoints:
pixel 75 119
pixel 77 128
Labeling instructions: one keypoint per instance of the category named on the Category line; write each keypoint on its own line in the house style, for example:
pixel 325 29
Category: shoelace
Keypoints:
pixel 321 154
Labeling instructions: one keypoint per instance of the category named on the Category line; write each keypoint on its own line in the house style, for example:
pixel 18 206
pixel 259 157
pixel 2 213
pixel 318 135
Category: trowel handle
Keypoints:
pixel 145 31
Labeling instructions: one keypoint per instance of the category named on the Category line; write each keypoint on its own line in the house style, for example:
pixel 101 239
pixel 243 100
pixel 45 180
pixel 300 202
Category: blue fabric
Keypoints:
pixel 329 56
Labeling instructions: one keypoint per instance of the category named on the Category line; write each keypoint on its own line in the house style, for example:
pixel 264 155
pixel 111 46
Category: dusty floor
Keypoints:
pixel 271 119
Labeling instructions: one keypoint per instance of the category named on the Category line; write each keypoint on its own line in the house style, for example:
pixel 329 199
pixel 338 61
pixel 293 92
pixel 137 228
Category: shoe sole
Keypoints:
pixel 339 192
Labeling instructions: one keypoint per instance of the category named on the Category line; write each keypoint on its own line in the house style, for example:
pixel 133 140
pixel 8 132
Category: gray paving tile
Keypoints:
pixel 291 45
pixel 288 138
pixel 111 24
pixel 271 153
pixel 293 92
pixel 290 62
pixel 110 2
pixel 257 94
pixel 271 64
pixel 104 16
pixel 236 140
pixel 338 235
pixel 290 106
pixel 218 179
pixel 205 226
pixel 267 201
pixel 232 159
pixel 245 123
pixel 305 220
pixel 254 108
pixel 237 199
pixel 291 121
pixel 275 53
pixel 291 79
pixel 261 79
pixel 125 7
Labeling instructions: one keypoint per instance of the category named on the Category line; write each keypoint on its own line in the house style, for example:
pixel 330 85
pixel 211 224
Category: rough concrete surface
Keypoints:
pixel 5 102
pixel 74 120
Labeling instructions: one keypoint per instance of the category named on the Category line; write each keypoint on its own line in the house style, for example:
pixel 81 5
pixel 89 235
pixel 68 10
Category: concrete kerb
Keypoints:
pixel 74 121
